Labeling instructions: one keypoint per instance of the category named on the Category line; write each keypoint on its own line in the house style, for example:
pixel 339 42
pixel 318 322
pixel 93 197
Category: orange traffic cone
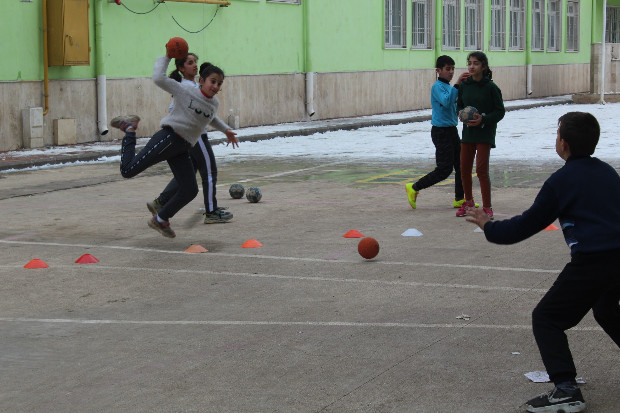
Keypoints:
pixel 36 263
pixel 353 234
pixel 195 248
pixel 251 243
pixel 551 228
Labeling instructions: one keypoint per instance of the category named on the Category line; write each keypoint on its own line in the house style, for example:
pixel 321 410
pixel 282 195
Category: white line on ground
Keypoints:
pixel 275 323
pixel 273 257
pixel 301 278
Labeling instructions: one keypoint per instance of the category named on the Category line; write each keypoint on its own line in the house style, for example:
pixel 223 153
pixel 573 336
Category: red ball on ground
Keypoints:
pixel 177 48
pixel 368 248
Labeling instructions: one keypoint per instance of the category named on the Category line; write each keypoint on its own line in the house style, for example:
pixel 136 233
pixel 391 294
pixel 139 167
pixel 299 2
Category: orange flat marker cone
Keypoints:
pixel 36 263
pixel 251 243
pixel 551 228
pixel 87 259
pixel 353 234
pixel 196 249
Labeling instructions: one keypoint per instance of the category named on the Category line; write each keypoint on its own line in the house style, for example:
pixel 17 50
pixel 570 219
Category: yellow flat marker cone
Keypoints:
pixel 86 259
pixel 353 234
pixel 36 263
pixel 251 243
pixel 196 249
pixel 551 228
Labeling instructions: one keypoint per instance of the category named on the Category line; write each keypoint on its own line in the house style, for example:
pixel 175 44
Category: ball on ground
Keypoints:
pixel 253 195
pixel 468 113
pixel 177 48
pixel 368 248
pixel 236 191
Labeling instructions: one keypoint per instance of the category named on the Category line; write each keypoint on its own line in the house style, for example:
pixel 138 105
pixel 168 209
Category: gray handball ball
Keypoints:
pixel 253 195
pixel 468 113
pixel 236 191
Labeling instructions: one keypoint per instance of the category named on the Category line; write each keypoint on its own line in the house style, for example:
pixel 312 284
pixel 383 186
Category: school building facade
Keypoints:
pixel 72 65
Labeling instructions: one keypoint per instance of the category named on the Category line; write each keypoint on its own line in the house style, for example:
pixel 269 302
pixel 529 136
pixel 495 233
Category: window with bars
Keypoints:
pixel 517 24
pixel 612 34
pixel 473 24
pixel 572 25
pixel 554 25
pixel 538 24
pixel 498 25
pixel 451 22
pixel 395 23
pixel 421 24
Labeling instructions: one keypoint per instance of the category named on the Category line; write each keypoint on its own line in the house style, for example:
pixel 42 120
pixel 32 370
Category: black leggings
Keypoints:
pixel 165 145
pixel 204 162
pixel 589 281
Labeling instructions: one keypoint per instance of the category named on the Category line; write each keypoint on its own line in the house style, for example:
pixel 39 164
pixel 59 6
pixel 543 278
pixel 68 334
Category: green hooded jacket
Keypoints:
pixel 487 98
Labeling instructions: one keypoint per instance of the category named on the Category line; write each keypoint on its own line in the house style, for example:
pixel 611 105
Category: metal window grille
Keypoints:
pixel 554 15
pixel 285 1
pixel 473 24
pixel 517 24
pixel 498 24
pixel 451 23
pixel 572 25
pixel 395 23
pixel 421 22
pixel 613 25
pixel 538 25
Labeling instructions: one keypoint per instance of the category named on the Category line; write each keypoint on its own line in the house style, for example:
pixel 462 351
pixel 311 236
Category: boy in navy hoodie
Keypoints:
pixel 445 135
pixel 585 195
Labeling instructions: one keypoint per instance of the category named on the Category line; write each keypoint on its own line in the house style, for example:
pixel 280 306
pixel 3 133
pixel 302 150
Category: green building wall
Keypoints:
pixel 266 49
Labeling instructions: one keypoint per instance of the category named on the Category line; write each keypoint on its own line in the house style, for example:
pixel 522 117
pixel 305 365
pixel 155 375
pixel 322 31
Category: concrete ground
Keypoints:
pixel 435 323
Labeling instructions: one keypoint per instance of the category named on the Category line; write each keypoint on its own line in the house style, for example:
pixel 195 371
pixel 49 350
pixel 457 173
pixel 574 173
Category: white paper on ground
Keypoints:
pixel 543 377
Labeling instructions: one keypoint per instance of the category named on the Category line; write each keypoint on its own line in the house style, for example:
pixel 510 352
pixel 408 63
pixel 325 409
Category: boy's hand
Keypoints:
pixel 476 121
pixel 231 136
pixel 477 216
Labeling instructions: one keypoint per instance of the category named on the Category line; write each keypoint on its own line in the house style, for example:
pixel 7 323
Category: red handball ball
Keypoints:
pixel 177 48
pixel 368 248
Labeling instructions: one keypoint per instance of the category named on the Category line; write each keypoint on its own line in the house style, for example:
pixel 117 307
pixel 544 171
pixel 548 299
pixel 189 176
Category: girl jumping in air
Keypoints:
pixel 478 136
pixel 194 109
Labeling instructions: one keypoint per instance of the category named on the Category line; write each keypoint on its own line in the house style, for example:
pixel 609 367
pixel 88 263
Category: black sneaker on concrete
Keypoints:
pixel 218 216
pixel 557 401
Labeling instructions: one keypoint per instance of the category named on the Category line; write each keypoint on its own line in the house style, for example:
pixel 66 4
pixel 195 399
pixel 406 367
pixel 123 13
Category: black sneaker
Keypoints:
pixel 154 206
pixel 557 401
pixel 217 216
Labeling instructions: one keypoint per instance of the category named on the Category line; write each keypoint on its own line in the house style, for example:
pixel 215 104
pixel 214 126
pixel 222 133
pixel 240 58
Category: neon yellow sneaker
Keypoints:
pixel 458 204
pixel 412 194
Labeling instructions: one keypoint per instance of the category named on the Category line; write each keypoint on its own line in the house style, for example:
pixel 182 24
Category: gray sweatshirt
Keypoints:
pixel 192 111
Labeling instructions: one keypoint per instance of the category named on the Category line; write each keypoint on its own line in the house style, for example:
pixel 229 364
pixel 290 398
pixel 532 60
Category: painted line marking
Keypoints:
pixel 301 259
pixel 275 323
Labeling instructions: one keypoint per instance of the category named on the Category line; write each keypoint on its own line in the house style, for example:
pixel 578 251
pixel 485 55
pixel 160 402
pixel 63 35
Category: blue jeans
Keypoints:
pixel 165 145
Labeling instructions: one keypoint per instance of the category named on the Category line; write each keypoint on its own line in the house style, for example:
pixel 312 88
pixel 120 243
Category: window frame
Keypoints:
pixel 284 1
pixel 389 27
pixel 451 33
pixel 517 11
pixel 428 30
pixel 612 34
pixel 499 8
pixel 572 38
pixel 554 26
pixel 540 13
pixel 473 32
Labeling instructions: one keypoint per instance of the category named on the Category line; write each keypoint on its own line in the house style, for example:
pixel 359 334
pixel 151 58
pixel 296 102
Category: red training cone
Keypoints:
pixel 87 259
pixel 36 263
pixel 353 234
pixel 551 228
pixel 251 243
